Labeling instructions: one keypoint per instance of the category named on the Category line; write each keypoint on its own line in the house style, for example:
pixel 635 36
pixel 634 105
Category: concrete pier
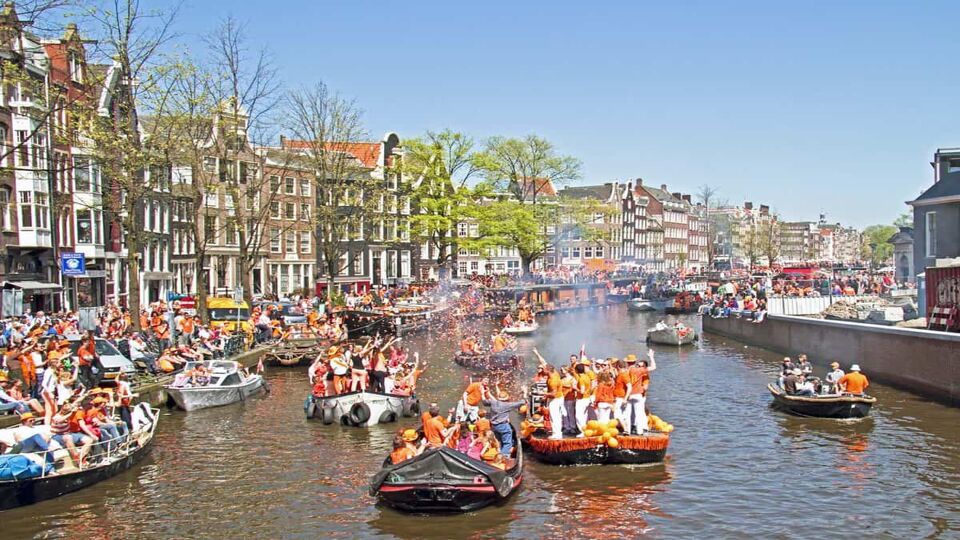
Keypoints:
pixel 922 362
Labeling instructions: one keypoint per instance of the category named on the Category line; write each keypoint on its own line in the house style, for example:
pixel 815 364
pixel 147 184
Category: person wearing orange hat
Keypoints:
pixel 404 446
pixel 110 433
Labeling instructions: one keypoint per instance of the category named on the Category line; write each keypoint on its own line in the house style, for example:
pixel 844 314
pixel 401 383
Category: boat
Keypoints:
pixel 521 329
pixel 226 384
pixel 37 482
pixel 630 450
pixel 645 304
pixel 361 409
pixel 444 480
pixel 823 406
pixel 672 336
pixel 504 360
pixel 617 298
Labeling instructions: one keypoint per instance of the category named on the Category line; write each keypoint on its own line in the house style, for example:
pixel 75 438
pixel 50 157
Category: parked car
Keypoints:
pixel 111 358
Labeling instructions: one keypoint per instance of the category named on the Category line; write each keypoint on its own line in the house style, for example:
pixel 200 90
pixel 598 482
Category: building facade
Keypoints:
pixel 936 213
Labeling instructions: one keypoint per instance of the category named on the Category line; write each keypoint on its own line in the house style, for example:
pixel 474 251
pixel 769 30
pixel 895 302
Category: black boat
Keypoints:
pixel 444 480
pixel 631 450
pixel 501 361
pixel 823 406
pixel 49 485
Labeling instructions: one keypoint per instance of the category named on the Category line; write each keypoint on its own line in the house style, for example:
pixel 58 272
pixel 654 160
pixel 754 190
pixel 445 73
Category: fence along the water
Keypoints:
pixel 810 305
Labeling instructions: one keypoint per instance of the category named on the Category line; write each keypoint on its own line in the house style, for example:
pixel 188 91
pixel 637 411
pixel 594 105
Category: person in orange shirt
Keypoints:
pixel 185 327
pixel 434 428
pixel 621 381
pixel 404 446
pixel 483 423
pixel 584 392
pixel 555 394
pixel 639 379
pixel 472 396
pixel 854 382
pixel 605 397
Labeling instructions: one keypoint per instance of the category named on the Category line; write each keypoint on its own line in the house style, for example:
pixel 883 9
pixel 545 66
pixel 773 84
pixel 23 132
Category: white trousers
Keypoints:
pixel 604 410
pixel 621 413
pixel 637 406
pixel 556 417
pixel 580 406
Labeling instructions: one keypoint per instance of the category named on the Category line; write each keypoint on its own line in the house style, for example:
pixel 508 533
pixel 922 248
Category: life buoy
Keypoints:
pixel 327 415
pixel 346 421
pixel 359 413
pixel 411 407
pixel 311 408
pixel 387 417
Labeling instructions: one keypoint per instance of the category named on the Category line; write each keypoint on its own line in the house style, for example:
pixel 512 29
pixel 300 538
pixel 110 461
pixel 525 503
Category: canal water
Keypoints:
pixel 735 467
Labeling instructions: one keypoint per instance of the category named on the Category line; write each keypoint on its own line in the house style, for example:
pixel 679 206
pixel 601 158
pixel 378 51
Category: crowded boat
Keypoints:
pixel 836 395
pixel 671 334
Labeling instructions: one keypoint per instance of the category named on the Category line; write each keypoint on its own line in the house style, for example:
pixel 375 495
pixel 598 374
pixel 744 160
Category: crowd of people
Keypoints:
pixel 378 366
pixel 797 379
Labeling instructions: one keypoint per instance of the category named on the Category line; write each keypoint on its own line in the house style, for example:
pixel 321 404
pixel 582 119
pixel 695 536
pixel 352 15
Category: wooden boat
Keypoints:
pixel 671 336
pixel 444 480
pixel 52 482
pixel 294 352
pixel 823 406
pixel 504 360
pixel 631 450
pixel 644 304
pixel 521 329
pixel 227 384
pixel 617 298
pixel 673 310
pixel 361 409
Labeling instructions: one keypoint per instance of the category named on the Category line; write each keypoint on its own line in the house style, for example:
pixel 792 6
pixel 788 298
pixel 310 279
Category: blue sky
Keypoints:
pixel 808 106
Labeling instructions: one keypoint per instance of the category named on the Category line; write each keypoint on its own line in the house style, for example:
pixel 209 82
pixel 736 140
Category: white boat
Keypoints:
pixel 644 304
pixel 226 384
pixel 671 336
pixel 521 329
pixel 361 409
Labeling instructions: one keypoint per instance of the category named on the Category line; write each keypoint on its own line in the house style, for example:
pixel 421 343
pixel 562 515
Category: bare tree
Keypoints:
pixel 707 194
pixel 350 200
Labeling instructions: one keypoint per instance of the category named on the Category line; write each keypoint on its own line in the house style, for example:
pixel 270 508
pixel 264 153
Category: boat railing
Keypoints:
pixel 104 450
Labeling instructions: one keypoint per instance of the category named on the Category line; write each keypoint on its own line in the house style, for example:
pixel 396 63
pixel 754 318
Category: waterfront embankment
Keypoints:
pixel 923 362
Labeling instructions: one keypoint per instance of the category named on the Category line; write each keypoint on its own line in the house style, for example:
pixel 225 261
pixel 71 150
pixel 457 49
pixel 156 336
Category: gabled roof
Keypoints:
pixel 540 187
pixel 602 192
pixel 367 153
pixel 903 236
pixel 657 193
pixel 948 186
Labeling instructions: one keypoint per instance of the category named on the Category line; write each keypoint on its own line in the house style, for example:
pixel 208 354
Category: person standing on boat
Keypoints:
pixel 500 408
pixel 637 393
pixel 584 392
pixel 833 377
pixel 476 392
pixel 805 366
pixel 854 382
pixel 555 393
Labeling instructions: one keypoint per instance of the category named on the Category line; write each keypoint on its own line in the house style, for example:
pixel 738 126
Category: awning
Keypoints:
pixel 33 287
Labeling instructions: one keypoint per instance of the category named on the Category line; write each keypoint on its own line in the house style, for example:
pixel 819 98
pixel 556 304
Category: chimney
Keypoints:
pixel 676 195
pixel 283 141
pixel 639 182
pixel 764 210
pixel 687 198
pixel 748 205
pixel 663 187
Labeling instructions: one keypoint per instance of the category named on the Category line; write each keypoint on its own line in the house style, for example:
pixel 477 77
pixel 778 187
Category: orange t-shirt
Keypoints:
pixel 401 454
pixel 483 425
pixel 854 382
pixel 555 385
pixel 620 386
pixel 185 326
pixel 474 394
pixel 640 380
pixel 433 430
pixel 584 385
pixel 605 393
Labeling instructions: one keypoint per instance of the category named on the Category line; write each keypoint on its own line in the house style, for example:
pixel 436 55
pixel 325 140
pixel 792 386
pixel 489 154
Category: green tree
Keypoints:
pixel 526 167
pixel 507 223
pixel 875 246
pixel 441 164
pixel 904 220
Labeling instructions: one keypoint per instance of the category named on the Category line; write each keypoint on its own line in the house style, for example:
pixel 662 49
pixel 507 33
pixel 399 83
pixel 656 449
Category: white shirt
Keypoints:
pixel 136 349
pixel 834 376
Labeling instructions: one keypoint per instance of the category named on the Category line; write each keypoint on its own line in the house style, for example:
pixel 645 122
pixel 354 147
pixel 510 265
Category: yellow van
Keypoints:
pixel 224 313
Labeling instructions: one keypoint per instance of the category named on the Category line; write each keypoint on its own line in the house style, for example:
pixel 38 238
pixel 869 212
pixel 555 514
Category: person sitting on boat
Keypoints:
pixel 483 423
pixel 500 408
pixel 507 320
pixel 805 387
pixel 111 433
pixel 498 343
pixel 199 375
pixel 790 381
pixel 833 378
pixel 854 382
pixel 33 440
pixel 661 326
pixel 435 428
pixel 405 446
pixel 492 452
pixel 18 404
pixel 785 369
pixel 67 433
pixel 805 366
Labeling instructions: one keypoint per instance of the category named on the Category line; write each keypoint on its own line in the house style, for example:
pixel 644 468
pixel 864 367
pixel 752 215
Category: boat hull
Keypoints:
pixel 640 304
pixel 521 330
pixel 838 407
pixel 671 336
pixel 345 409
pixel 634 450
pixel 194 399
pixel 438 498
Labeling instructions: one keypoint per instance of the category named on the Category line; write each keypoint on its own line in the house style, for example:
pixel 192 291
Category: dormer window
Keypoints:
pixel 76 68
pixel 953 165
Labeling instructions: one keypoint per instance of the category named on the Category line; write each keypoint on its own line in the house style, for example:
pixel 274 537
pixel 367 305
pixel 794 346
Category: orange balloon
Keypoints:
pixel 613 442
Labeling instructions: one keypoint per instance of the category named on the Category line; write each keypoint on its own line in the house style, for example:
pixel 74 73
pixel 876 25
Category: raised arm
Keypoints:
pixel 653 362
pixel 540 358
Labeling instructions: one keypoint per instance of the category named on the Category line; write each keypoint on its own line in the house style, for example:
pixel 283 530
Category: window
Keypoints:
pixel 588 252
pixel 565 253
pixel 931 220
pixel 304 187
pixel 275 240
pixel 356 263
pixel 231 233
pixel 274 184
pixel 42 218
pixel 76 68
pixel 463 230
pixel 210 164
pixel 23 151
pixel 474 266
pixel 210 229
pixel 290 211
pixel 291 242
pixel 598 252
pixel 462 267
pixel 81 174
pixel 304 242
pixel 5 221
pixel 211 200
pixel 576 253
pixel 289 184
pixel 953 165
pixel 275 210
pixel 305 212
pixel 84 227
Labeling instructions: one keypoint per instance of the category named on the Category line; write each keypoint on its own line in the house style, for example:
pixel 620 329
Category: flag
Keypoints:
pixel 260 365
